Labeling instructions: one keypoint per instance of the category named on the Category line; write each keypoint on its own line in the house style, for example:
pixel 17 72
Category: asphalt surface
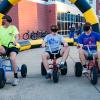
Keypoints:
pixel 36 87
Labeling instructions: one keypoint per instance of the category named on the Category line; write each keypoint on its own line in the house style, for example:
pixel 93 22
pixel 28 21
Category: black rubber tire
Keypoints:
pixel 33 36
pixel 43 70
pixel 94 77
pixel 25 36
pixel 55 76
pixel 2 79
pixel 23 70
pixel 78 69
pixel 64 70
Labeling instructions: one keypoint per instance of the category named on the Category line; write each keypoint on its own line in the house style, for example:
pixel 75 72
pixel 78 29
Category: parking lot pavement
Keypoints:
pixel 36 87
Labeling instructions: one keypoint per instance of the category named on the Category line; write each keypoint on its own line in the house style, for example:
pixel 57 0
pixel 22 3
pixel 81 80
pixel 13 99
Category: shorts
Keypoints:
pixel 92 51
pixel 12 49
pixel 52 55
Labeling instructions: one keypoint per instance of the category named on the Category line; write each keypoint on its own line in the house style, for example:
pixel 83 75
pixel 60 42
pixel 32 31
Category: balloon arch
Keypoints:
pixel 82 5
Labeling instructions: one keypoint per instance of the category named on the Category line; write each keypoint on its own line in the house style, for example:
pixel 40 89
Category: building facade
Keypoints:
pixel 98 7
pixel 37 15
pixel 93 4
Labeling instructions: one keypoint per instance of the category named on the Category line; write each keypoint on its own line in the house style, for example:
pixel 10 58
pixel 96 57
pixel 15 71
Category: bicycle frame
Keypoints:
pixel 55 65
pixel 91 59
pixel 54 61
pixel 6 67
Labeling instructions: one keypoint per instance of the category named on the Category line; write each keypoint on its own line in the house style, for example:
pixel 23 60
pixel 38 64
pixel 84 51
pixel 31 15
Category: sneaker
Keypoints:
pixel 48 76
pixel 84 70
pixel 62 65
pixel 15 82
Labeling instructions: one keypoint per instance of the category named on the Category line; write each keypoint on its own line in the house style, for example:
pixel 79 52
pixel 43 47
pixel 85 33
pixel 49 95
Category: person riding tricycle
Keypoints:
pixel 88 51
pixel 53 50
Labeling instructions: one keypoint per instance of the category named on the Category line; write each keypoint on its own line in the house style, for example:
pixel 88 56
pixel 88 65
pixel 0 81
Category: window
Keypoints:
pixel 99 12
pixel 98 1
pixel 68 15
pixel 60 0
pixel 65 20
pixel 91 1
pixel 62 16
pixel 58 16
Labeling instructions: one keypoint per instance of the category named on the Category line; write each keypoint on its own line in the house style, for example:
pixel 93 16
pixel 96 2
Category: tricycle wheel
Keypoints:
pixel 93 75
pixel 78 69
pixel 2 78
pixel 55 76
pixel 64 70
pixel 23 70
pixel 43 70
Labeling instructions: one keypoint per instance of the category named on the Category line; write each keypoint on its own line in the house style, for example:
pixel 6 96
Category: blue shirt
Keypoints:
pixel 90 39
pixel 53 42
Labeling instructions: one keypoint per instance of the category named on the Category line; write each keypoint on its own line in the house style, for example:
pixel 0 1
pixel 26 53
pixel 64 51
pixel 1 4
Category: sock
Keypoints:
pixel 15 75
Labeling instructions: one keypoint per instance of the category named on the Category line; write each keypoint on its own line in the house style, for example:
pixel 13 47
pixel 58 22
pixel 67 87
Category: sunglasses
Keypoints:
pixel 4 19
